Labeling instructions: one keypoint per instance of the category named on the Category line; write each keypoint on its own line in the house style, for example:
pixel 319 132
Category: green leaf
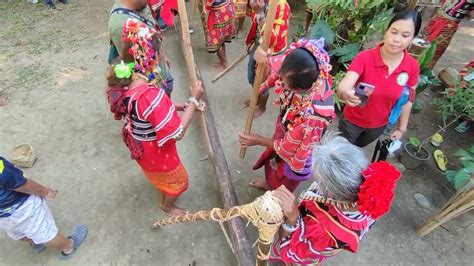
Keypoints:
pixel 346 53
pixel 322 29
pixel 423 79
pixel 461 177
pixel 427 56
pixel 472 149
pixel 436 82
pixel 414 141
pixel 315 3
pixel 459 103
pixel 380 21
pixel 469 166
pixel 450 174
pixel 465 155
pixel 417 105
pixel 423 82
pixel 375 3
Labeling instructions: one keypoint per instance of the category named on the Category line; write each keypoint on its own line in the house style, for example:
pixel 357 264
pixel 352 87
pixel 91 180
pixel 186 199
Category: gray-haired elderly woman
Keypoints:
pixel 338 209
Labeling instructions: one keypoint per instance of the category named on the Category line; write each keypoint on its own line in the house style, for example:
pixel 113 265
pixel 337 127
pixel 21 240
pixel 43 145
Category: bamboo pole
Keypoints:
pixel 458 204
pixel 189 57
pixel 186 40
pixel 234 64
pixel 239 238
pixel 261 68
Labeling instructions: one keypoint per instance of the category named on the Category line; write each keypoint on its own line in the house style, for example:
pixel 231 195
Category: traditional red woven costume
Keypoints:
pixel 279 37
pixel 327 226
pixel 151 123
pixel 220 24
pixel 300 123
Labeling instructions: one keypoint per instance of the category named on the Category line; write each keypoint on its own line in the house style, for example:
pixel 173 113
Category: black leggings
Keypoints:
pixel 359 136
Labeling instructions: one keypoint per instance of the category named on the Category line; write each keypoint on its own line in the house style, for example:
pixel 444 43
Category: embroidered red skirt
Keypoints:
pixel 171 183
pixel 163 168
pixel 220 27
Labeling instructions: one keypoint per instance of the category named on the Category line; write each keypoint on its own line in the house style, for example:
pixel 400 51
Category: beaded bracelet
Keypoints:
pixel 193 99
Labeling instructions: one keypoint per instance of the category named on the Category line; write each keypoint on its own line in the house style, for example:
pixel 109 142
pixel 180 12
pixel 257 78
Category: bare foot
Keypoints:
pixel 260 183
pixel 173 211
pixel 258 112
pixel 219 67
pixel 246 103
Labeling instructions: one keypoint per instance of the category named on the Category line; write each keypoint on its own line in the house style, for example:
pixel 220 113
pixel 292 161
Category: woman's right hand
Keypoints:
pixel 261 56
pixel 344 89
pixel 196 91
pixel 287 201
pixel 349 97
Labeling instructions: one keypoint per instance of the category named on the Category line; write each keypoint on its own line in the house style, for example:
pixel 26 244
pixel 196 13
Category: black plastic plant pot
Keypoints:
pixel 412 158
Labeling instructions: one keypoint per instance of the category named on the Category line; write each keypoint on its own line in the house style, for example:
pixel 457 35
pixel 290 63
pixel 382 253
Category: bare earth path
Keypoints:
pixel 52 65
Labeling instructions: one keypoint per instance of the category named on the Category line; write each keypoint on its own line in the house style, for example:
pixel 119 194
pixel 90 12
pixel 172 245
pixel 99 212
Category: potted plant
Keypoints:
pixel 458 177
pixel 414 154
pixel 456 103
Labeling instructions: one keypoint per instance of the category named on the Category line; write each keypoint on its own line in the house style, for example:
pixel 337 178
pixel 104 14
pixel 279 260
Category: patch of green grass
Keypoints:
pixel 29 76
pixel 21 23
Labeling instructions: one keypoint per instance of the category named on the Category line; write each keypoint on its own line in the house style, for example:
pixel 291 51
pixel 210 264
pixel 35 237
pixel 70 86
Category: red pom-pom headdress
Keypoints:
pixel 377 190
pixel 142 50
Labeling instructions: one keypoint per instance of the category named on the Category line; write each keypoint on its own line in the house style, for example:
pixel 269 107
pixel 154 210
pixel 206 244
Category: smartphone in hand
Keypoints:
pixel 363 91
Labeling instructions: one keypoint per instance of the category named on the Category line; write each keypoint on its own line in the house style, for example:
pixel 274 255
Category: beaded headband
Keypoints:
pixel 316 48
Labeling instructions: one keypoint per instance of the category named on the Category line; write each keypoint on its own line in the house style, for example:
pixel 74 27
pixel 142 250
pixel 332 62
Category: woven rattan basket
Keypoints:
pixel 23 155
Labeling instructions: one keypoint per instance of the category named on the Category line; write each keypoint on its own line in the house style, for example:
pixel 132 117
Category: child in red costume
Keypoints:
pixel 152 125
pixel 306 104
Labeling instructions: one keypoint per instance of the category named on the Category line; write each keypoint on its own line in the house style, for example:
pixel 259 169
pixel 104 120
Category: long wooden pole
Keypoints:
pixel 188 53
pixel 239 238
pixel 186 38
pixel 238 235
pixel 234 64
pixel 261 68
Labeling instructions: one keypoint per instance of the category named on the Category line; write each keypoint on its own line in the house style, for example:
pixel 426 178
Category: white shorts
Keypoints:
pixel 32 220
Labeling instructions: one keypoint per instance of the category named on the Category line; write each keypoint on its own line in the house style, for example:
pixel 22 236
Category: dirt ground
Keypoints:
pixel 52 65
